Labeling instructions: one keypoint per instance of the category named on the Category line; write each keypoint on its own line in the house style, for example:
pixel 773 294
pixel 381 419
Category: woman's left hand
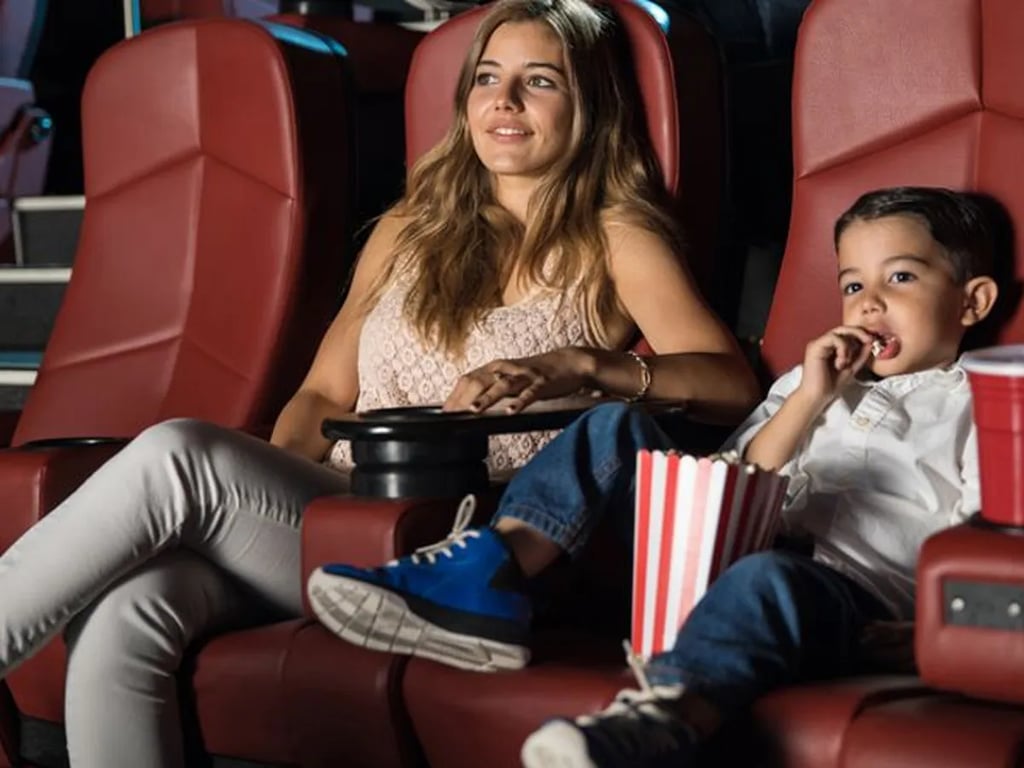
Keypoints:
pixel 517 383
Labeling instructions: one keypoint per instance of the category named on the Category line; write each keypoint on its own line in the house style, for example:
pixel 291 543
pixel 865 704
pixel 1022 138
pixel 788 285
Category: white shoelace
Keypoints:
pixel 456 538
pixel 633 703
pixel 638 724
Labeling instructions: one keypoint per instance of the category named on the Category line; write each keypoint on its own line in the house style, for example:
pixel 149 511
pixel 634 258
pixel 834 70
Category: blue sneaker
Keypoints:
pixel 461 601
pixel 640 729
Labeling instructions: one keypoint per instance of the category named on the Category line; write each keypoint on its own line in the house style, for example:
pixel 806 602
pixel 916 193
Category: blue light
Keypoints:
pixel 303 38
pixel 659 14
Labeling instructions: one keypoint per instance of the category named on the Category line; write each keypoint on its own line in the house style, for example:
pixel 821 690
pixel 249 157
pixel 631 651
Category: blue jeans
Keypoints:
pixel 586 473
pixel 772 619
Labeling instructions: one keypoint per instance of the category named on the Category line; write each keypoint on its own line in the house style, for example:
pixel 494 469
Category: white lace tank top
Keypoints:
pixel 396 368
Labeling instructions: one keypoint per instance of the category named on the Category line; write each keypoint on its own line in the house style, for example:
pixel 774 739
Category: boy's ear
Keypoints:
pixel 980 294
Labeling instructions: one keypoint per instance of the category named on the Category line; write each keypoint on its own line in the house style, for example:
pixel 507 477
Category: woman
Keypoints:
pixel 514 267
pixel 535 236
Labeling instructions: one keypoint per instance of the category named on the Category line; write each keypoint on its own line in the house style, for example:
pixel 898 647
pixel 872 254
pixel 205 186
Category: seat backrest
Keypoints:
pixel 676 74
pixel 212 248
pixel 21 23
pixel 915 92
pixel 435 67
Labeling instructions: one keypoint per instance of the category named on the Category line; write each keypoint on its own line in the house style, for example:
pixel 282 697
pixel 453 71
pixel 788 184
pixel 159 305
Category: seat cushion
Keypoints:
pixel 806 726
pixel 470 719
pixel 292 693
pixel 935 730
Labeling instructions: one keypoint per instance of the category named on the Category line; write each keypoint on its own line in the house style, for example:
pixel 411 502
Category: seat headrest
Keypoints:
pixel 435 67
pixel 920 92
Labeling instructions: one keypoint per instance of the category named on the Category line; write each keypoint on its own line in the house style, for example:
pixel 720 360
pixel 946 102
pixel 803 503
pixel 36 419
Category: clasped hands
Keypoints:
pixel 515 384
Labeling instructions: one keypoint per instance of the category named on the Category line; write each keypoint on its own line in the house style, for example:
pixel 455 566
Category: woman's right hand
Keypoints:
pixel 518 382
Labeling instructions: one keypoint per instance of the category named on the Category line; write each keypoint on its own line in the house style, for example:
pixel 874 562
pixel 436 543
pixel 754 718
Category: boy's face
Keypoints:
pixel 897 284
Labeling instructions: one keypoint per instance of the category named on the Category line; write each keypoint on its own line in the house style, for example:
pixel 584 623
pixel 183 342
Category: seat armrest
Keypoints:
pixel 32 482
pixel 422 451
pixel 46 443
pixel 808 724
pixel 969 635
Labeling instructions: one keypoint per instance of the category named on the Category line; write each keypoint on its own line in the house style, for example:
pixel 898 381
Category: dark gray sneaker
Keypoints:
pixel 640 729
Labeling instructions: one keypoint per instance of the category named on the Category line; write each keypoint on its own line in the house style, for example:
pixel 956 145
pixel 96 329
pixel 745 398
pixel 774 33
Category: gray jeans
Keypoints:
pixel 191 529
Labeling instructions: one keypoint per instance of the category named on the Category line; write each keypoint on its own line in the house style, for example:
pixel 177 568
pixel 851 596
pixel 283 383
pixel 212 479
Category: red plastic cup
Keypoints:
pixel 997 383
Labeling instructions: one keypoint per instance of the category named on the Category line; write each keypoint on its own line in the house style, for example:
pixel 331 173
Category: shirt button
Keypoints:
pixel 861 421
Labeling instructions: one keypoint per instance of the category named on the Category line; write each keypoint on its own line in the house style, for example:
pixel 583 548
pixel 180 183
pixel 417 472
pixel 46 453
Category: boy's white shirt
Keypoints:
pixel 887 464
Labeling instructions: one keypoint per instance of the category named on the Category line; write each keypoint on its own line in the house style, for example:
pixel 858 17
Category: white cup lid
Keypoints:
pixel 1006 360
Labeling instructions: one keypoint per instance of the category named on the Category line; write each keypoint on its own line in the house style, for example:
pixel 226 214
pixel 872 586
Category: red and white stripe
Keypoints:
pixel 694 517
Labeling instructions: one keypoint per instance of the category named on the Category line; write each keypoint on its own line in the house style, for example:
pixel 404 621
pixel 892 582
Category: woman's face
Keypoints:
pixel 520 109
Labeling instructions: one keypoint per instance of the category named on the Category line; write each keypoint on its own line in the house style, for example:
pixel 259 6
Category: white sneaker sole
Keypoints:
pixel 557 744
pixel 378 619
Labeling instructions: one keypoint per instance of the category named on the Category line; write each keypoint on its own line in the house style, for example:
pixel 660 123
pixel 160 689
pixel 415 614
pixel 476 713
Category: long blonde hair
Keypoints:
pixel 461 247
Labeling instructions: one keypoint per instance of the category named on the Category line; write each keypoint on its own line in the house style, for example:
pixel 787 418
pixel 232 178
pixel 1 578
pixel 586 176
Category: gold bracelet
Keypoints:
pixel 645 377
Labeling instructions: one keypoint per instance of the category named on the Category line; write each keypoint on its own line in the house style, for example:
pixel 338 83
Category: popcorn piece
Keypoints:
pixel 877 346
pixel 729 457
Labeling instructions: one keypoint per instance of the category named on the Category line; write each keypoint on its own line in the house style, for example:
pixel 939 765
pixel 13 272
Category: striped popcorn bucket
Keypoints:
pixel 694 517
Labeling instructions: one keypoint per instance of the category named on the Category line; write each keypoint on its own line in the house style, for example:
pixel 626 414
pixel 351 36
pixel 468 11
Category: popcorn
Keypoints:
pixel 877 347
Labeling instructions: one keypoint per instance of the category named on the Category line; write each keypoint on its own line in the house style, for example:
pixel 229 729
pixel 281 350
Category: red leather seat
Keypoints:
pixel 351 702
pixel 666 85
pixel 916 92
pixel 676 76
pixel 24 127
pixel 201 213
pixel 211 259
pixel 950 113
pixel 679 79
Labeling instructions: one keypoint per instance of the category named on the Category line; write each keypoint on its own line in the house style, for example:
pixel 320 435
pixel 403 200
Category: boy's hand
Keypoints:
pixel 832 360
pixel 888 646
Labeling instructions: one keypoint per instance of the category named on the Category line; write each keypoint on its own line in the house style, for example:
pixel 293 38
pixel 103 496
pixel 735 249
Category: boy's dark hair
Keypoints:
pixel 955 219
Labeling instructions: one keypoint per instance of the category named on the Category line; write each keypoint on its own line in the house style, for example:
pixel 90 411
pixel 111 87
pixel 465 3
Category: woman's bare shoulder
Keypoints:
pixel 627 236
pixel 388 226
pixel 382 243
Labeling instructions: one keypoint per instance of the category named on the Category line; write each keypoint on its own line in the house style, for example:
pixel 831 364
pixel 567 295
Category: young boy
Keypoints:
pixel 874 431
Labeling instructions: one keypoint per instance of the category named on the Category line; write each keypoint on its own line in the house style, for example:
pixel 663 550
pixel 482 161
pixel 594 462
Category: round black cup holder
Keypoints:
pixel 48 443
pixel 424 451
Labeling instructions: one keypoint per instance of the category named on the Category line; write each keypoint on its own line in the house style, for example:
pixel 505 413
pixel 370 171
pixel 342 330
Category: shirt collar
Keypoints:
pixel 950 377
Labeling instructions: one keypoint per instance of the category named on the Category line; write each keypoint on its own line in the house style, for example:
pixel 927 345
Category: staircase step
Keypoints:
pixel 17 375
pixel 17 360
pixel 46 229
pixel 29 300
pixel 12 398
